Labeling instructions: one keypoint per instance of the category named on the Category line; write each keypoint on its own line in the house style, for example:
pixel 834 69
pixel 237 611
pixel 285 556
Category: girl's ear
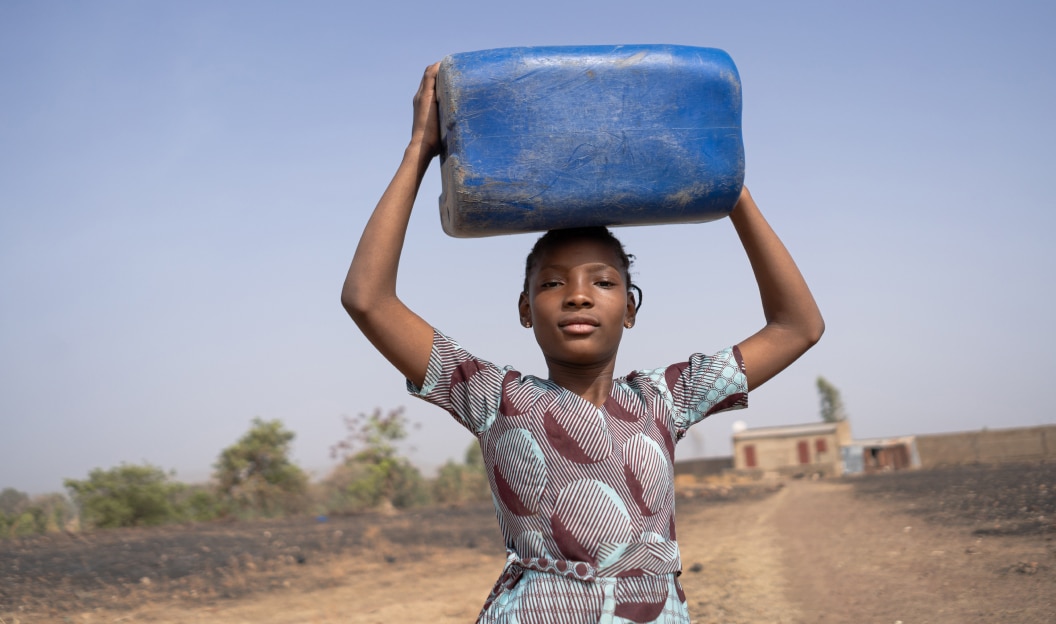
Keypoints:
pixel 524 309
pixel 632 311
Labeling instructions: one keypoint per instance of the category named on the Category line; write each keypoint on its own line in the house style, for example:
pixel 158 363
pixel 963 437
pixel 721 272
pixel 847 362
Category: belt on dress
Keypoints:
pixel 615 560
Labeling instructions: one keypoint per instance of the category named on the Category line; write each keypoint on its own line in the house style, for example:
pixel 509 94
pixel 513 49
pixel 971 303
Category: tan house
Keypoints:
pixel 812 448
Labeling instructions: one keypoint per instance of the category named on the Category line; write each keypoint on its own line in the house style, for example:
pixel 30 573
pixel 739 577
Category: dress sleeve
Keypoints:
pixel 706 385
pixel 468 388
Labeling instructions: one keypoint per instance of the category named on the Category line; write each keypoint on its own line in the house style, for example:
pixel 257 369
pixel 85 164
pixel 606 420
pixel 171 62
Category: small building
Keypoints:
pixel 827 449
pixel 792 450
pixel 880 455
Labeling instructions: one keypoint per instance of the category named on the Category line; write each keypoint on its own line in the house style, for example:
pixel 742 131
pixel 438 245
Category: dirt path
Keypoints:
pixel 811 552
pixel 851 559
pixel 732 562
pixel 814 552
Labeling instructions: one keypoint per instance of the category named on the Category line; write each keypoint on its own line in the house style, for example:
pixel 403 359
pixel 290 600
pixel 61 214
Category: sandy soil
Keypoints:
pixel 884 549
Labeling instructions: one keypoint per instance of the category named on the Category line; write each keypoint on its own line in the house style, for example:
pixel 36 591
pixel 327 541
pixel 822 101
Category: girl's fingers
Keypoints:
pixel 426 118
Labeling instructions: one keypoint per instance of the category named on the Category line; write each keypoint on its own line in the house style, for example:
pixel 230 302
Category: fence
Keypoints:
pixel 988 446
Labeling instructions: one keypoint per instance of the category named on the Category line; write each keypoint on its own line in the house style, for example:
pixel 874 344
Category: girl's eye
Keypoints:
pixel 550 284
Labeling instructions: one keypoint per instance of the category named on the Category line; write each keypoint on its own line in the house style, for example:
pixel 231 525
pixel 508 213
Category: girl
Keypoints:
pixel 580 464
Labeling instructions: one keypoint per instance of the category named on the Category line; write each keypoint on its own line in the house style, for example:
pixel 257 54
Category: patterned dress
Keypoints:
pixel 584 495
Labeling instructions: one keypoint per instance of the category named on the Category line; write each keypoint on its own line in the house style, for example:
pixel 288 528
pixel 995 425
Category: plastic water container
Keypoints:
pixel 554 137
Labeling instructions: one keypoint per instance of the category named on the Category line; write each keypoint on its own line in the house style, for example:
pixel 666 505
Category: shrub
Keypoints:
pixel 12 502
pixel 462 482
pixel 21 515
pixel 255 475
pixel 126 496
pixel 372 474
pixel 199 503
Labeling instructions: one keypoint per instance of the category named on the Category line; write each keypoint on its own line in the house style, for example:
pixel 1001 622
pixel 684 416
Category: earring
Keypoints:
pixel 527 324
pixel 628 324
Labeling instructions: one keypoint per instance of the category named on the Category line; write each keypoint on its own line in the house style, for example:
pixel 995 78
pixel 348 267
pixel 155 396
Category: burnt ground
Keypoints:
pixel 55 577
pixel 209 562
pixel 212 561
pixel 1008 499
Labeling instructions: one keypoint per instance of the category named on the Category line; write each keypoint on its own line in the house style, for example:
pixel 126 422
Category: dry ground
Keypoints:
pixel 962 545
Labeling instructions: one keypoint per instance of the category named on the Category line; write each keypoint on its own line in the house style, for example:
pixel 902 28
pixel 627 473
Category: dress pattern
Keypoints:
pixel 584 495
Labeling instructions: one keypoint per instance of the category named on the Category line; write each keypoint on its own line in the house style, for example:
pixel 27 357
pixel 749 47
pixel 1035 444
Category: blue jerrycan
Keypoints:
pixel 543 138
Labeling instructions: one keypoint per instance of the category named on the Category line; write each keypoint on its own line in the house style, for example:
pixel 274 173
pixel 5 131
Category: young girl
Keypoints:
pixel 580 464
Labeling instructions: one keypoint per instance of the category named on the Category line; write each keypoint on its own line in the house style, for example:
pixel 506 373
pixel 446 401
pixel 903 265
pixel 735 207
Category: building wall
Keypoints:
pixel 703 467
pixel 783 454
pixel 843 431
pixel 988 446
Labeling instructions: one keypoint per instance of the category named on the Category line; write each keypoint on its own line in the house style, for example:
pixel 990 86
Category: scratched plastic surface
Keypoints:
pixel 554 137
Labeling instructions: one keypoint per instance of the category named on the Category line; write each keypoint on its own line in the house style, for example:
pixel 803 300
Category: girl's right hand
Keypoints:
pixel 369 293
pixel 425 130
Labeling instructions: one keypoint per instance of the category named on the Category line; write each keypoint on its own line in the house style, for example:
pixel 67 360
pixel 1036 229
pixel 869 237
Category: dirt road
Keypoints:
pixel 814 552
pixel 811 551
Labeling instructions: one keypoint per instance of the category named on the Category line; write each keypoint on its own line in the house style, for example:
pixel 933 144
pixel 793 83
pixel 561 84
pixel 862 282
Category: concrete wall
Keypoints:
pixel 987 446
pixel 703 467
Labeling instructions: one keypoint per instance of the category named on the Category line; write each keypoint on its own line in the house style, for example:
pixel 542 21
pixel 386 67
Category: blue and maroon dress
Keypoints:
pixel 584 495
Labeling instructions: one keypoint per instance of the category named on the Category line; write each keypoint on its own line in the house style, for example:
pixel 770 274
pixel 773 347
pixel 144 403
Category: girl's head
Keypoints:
pixel 578 295
pixel 557 238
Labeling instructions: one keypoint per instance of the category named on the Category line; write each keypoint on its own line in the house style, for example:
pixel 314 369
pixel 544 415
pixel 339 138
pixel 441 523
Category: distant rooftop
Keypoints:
pixel 820 428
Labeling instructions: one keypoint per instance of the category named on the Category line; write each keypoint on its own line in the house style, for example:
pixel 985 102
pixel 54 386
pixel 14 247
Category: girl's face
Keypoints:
pixel 578 304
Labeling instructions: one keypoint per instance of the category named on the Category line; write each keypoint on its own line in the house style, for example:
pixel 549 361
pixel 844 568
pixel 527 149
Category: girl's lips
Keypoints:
pixel 578 325
pixel 578 328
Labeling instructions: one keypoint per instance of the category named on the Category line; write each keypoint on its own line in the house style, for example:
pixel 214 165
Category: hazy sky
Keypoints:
pixel 182 186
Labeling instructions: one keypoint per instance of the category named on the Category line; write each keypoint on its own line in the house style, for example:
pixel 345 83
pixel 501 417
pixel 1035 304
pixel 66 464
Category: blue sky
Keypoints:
pixel 182 186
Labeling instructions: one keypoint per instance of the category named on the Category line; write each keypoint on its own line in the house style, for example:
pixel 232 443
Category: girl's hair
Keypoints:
pixel 556 238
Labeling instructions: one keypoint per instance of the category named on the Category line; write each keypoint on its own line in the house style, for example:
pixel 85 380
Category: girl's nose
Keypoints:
pixel 579 295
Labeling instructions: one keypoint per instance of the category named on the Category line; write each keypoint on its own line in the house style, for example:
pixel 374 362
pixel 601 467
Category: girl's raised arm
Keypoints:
pixel 793 321
pixel 369 293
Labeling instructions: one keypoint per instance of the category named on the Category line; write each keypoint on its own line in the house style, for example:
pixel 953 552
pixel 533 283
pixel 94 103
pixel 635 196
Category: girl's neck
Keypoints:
pixel 591 383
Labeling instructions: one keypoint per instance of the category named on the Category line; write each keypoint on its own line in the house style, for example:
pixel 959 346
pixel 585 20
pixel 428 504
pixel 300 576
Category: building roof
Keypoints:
pixel 787 431
pixel 883 441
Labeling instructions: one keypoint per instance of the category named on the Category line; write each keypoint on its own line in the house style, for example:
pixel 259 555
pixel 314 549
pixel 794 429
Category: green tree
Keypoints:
pixel 199 503
pixel 128 495
pixel 831 404
pixel 462 482
pixel 55 513
pixel 12 501
pixel 12 504
pixel 256 475
pixel 372 473
pixel 21 515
